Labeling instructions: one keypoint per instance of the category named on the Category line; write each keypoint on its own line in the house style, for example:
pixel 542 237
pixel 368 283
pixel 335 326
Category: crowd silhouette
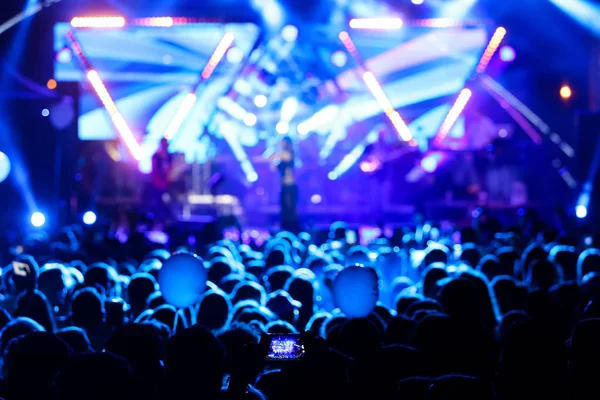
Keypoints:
pixel 461 314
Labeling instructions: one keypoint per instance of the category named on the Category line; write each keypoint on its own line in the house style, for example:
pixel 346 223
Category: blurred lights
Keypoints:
pixel 581 211
pixel 250 119
pixel 235 55
pixel 566 92
pixel 376 23
pixel 431 162
pixel 491 49
pixel 51 84
pixel 117 118
pixel 417 2
pixel 38 219
pixel 89 218
pixel 282 127
pixel 218 54
pixel 180 116
pixel 4 166
pixel 289 33
pixel 98 22
pixel 339 58
pixel 260 100
pixel 508 54
pixel 453 114
pixel 157 22
pixel 64 55
pixel 387 107
pixel 316 199
pixel 45 112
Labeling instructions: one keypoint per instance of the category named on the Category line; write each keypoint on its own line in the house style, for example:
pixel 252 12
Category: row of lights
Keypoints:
pixel 38 219
pixel 120 22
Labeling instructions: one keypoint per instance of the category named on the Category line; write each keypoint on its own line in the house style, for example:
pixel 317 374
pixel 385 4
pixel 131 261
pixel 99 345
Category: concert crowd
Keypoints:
pixel 477 313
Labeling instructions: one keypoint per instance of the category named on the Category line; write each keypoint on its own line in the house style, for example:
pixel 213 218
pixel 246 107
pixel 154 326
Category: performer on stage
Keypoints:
pixel 285 162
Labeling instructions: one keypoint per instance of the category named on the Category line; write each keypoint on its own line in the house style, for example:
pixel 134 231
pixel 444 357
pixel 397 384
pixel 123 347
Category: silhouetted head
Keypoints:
pixel 76 338
pixel 87 309
pixel 34 305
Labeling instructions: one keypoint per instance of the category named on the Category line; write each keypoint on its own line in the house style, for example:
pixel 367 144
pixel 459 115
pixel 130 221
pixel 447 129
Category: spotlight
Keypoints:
pixel 417 2
pixel 51 84
pixel 289 33
pixel 508 54
pixel 339 58
pixel 581 211
pixel 260 100
pixel 282 127
pixel 45 112
pixel 89 218
pixel 566 92
pixel 332 175
pixel 38 219
pixel 250 119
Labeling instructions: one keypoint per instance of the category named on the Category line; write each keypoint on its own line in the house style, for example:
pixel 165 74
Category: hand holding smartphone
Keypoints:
pixel 285 347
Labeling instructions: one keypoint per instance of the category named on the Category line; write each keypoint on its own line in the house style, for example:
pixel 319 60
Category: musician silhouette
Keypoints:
pixel 162 164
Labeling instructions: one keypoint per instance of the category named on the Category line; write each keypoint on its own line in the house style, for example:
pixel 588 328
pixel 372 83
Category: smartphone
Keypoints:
pixel 285 348
pixel 20 268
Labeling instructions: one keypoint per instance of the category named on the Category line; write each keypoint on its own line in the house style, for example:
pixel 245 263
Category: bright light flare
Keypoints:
pixel 219 53
pixel 387 107
pixel 566 92
pixel 89 218
pixel 453 114
pixel 98 22
pixel 38 219
pixel 376 23
pixel 431 162
pixel 157 22
pixel 491 49
pixel 115 115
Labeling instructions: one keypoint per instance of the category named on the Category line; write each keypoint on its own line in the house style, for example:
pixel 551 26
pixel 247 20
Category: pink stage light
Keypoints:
pixel 453 114
pixel 376 23
pixel 115 115
pixel 349 44
pixel 387 107
pixel 98 22
pixel 157 22
pixel 491 49
pixel 218 54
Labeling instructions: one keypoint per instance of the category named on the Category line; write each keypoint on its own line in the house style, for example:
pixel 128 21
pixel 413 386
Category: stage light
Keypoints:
pixel 339 58
pixel 417 2
pixel 4 166
pixel 430 162
pixel 45 112
pixel 260 100
pixel 38 219
pixel 89 218
pixel 250 119
pixel 64 55
pixel 566 92
pixel 581 212
pixel 507 54
pixel 332 176
pixel 282 127
pixel 117 118
pixel 289 108
pixel 235 55
pixel 376 23
pixel 218 54
pixel 316 199
pixel 98 22
pixel 386 105
pixel 180 116
pixel 51 84
pixel 453 114
pixel 289 33
pixel 156 22
pixel 321 118
pixel 491 49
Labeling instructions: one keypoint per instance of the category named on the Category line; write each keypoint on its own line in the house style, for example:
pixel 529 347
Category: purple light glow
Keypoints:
pixel 507 54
